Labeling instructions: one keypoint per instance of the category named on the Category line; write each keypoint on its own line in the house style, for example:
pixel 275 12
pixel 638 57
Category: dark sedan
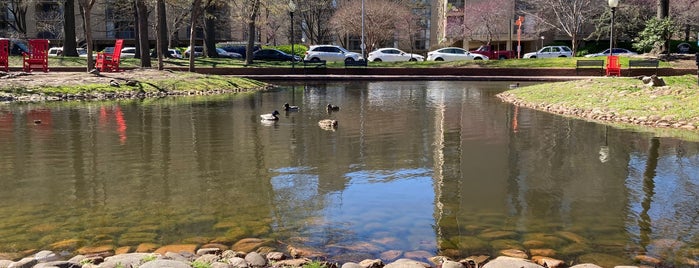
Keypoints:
pixel 274 55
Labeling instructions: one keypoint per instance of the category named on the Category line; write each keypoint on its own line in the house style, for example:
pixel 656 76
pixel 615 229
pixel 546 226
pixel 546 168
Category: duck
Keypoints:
pixel 328 124
pixel 333 107
pixel 516 85
pixel 288 107
pixel 113 83
pixel 270 117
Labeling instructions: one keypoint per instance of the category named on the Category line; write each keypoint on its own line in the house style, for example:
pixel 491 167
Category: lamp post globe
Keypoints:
pixel 292 9
pixel 612 4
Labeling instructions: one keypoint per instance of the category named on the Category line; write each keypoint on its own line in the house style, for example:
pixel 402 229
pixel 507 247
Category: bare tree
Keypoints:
pixel 86 9
pixel 315 16
pixel 382 18
pixel 567 16
pixel 685 14
pixel 178 12
pixel 483 20
pixel 16 15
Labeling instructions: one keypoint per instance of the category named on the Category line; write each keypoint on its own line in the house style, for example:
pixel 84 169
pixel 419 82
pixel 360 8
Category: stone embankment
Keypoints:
pixel 255 253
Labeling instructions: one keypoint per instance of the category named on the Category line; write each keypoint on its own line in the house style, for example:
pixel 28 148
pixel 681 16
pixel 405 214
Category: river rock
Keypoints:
pixel 124 260
pixel 237 262
pixel 548 262
pixel 407 263
pixel 351 265
pixel 205 251
pixel 208 258
pixel 546 252
pixel 604 260
pixel 163 263
pixel 371 263
pixel 391 255
pixel 189 248
pixel 57 264
pixel 23 263
pixel 452 264
pixel 504 261
pixel 292 263
pixel 46 256
pixel 254 259
pixel 515 253
pixel 249 244
pixel 647 259
pixel 175 256
pixel 586 265
pixel 220 265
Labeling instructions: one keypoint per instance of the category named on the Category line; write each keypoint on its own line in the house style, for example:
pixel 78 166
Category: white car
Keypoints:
pixel 330 53
pixel 58 51
pixel 393 54
pixel 550 52
pixel 128 52
pixel 452 54
pixel 616 51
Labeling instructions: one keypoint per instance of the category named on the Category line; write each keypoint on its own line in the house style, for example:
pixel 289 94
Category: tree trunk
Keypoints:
pixel 196 5
pixel 161 33
pixel 69 43
pixel 210 32
pixel 664 12
pixel 86 8
pixel 251 31
pixel 143 42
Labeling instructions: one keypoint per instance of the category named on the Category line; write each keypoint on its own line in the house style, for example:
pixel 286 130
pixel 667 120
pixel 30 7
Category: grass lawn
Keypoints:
pixel 16 61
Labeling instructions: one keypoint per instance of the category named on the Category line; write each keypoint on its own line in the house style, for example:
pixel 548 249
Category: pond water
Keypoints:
pixel 413 169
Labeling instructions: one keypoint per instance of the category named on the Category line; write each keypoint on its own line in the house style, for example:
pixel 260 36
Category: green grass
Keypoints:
pixel 622 96
pixel 16 61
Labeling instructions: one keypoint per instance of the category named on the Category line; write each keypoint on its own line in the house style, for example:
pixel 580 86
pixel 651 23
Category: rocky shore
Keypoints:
pixel 259 253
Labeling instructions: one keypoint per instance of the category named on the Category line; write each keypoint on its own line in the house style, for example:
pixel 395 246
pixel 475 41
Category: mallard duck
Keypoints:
pixel 327 123
pixel 333 107
pixel 270 117
pixel 288 107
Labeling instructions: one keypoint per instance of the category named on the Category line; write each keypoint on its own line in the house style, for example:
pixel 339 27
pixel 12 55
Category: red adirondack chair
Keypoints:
pixel 109 62
pixel 4 52
pixel 613 66
pixel 38 56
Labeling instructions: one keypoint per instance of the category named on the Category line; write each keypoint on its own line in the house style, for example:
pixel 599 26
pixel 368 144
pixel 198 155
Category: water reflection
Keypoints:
pixel 418 167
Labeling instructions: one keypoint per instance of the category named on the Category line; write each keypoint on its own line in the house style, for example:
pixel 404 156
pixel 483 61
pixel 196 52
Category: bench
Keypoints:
pixel 314 64
pixel 579 64
pixel 355 63
pixel 644 64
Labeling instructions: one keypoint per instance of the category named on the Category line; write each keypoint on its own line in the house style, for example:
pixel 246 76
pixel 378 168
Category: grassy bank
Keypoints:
pixel 625 101
pixel 143 81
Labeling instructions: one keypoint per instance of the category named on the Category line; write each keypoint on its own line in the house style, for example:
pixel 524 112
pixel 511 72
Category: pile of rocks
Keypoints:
pixel 217 258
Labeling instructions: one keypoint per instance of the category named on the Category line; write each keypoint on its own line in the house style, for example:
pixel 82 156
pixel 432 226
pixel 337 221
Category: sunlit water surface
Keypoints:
pixel 413 170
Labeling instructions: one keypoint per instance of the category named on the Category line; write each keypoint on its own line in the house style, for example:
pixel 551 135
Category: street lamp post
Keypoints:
pixel 612 4
pixel 292 8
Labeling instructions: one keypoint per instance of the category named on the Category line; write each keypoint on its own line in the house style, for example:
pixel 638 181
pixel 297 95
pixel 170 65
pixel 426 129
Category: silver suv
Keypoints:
pixel 330 53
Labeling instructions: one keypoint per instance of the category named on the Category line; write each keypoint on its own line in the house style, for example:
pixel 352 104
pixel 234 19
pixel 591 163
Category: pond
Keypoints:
pixel 414 169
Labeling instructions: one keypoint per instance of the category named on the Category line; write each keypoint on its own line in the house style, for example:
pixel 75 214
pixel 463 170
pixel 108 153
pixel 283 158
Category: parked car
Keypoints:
pixel 393 54
pixel 198 51
pixel 330 53
pixel 616 51
pixel 172 53
pixel 128 52
pixel 17 46
pixel 55 51
pixel 225 54
pixel 274 55
pixel 492 52
pixel 452 54
pixel 550 52
pixel 240 49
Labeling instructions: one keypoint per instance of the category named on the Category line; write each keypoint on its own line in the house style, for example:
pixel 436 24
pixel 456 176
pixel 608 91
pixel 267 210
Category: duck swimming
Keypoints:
pixel 288 107
pixel 327 124
pixel 333 107
pixel 270 117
